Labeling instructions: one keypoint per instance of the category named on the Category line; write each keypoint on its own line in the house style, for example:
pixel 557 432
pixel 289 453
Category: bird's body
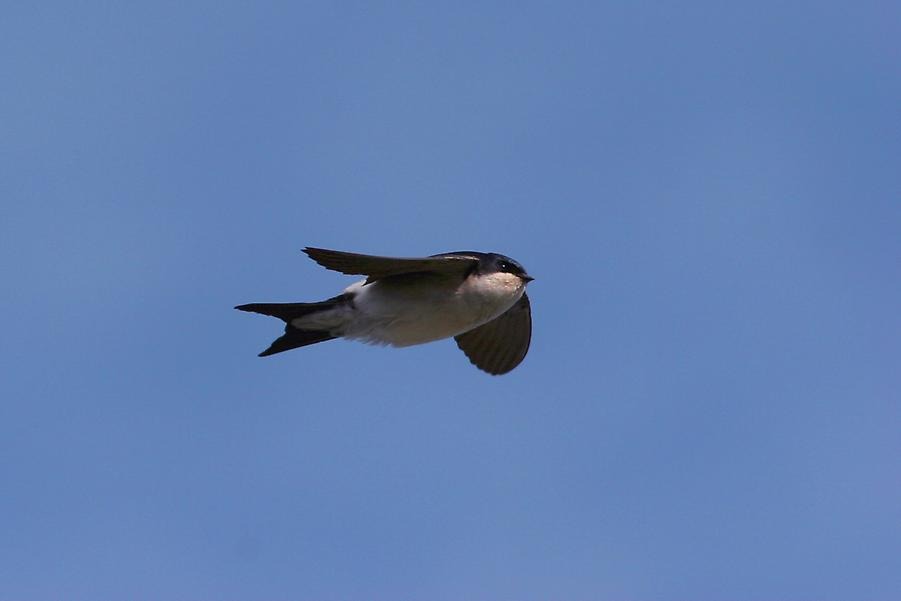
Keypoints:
pixel 415 309
pixel 404 302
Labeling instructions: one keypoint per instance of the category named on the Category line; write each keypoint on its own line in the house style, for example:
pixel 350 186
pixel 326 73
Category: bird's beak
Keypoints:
pixel 526 278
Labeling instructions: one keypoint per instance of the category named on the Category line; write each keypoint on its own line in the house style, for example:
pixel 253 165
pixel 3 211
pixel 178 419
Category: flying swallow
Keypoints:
pixel 477 298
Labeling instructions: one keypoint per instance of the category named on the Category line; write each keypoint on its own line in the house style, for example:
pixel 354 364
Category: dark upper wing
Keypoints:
pixel 501 344
pixel 382 267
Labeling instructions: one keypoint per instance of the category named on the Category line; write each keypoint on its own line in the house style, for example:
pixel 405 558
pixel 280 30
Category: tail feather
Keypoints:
pixel 294 338
pixel 287 312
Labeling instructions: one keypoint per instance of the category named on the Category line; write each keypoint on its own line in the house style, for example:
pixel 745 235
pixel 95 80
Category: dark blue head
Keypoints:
pixel 492 263
pixel 495 263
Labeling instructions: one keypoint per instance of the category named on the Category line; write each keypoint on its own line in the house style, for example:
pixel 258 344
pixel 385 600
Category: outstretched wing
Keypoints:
pixel 381 267
pixel 501 344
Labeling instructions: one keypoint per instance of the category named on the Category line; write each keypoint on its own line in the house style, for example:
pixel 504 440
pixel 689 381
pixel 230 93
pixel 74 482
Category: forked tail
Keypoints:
pixel 287 312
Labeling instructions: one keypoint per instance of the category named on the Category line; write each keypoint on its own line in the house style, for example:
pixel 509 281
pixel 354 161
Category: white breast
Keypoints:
pixel 408 313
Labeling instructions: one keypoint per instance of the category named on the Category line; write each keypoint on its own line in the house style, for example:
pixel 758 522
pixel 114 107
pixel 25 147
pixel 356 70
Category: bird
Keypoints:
pixel 477 298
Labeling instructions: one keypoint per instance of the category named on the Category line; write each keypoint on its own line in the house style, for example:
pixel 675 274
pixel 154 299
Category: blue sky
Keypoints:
pixel 709 196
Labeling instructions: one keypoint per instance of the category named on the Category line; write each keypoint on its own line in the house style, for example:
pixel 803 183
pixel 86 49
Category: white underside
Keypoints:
pixel 424 310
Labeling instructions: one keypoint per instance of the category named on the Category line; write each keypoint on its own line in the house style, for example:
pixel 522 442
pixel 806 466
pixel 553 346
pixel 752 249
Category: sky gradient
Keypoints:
pixel 709 198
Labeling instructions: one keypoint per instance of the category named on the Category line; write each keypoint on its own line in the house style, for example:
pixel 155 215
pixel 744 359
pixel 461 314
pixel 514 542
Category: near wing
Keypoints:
pixel 382 267
pixel 501 344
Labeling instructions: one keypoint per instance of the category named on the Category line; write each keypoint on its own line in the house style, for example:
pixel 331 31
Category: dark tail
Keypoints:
pixel 287 312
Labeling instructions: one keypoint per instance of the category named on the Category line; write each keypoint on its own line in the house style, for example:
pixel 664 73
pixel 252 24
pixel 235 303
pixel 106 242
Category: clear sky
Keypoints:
pixel 708 193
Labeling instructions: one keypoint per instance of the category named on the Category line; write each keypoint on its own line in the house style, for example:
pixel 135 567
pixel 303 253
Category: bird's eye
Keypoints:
pixel 504 266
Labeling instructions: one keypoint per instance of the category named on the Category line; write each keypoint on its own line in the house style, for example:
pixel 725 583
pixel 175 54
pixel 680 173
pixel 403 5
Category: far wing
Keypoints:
pixel 380 267
pixel 501 344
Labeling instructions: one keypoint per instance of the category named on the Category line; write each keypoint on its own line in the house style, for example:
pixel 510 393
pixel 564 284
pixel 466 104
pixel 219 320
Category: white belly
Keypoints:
pixel 408 313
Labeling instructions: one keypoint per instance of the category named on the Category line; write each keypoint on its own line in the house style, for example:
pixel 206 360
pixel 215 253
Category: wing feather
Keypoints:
pixel 375 267
pixel 498 346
